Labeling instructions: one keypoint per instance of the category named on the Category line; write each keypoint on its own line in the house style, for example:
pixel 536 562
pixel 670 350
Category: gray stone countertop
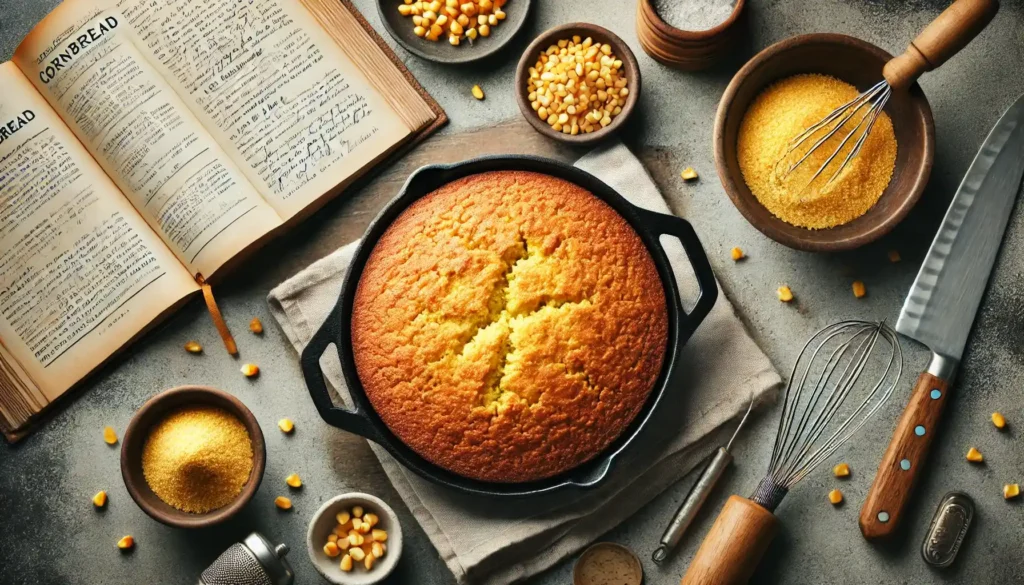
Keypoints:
pixel 49 532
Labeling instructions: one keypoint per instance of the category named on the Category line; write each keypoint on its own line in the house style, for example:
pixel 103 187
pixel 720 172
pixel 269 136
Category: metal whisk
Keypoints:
pixel 939 41
pixel 842 376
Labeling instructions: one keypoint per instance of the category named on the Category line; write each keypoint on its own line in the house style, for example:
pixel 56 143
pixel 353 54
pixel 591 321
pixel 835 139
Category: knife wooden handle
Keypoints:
pixel 904 459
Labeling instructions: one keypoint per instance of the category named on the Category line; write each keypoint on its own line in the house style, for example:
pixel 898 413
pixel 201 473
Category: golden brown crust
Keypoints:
pixel 509 326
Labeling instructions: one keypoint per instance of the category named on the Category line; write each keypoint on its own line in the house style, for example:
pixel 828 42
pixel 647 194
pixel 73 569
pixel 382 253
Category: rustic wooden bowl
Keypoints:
pixel 686 49
pixel 153 412
pixel 584 30
pixel 856 62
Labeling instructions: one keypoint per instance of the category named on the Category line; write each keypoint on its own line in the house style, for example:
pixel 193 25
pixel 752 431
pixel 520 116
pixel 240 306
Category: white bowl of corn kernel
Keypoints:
pixel 354 539
pixel 577 83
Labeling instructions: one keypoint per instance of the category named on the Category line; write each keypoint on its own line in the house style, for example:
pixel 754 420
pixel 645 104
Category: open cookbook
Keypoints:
pixel 145 147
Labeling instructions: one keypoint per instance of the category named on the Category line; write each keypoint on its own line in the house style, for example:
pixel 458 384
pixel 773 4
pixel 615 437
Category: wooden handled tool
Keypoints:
pixel 734 546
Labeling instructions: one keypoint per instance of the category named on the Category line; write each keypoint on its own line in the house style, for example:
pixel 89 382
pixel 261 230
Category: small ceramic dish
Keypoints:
pixel 688 50
pixel 152 412
pixel 601 35
pixel 323 523
pixel 441 51
pixel 607 562
pixel 856 62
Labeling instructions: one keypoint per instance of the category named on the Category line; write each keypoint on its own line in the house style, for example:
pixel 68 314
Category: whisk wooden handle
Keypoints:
pixel 734 546
pixel 940 40
pixel 904 460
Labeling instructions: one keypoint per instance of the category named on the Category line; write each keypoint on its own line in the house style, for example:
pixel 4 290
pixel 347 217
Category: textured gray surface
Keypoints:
pixel 49 532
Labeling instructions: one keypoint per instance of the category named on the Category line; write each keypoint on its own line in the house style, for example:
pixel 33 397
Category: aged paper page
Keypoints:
pixel 80 271
pixel 296 115
pixel 87 66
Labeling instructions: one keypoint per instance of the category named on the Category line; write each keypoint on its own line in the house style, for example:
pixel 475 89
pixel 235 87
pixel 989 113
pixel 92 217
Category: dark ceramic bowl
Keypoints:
pixel 601 35
pixel 856 62
pixel 400 28
pixel 152 412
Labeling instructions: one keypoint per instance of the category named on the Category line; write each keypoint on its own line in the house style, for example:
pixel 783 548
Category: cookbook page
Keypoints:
pixel 293 111
pixel 80 271
pixel 86 64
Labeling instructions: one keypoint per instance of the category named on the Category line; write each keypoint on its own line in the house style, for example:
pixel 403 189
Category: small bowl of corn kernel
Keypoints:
pixel 577 83
pixel 453 31
pixel 354 539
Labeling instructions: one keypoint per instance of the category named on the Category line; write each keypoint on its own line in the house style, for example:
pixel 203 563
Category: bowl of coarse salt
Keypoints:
pixel 690 34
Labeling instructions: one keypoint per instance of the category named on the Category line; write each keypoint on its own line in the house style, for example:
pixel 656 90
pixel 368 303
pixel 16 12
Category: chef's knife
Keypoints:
pixel 941 306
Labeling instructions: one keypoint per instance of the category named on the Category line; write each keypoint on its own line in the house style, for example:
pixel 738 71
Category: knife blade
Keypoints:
pixel 940 309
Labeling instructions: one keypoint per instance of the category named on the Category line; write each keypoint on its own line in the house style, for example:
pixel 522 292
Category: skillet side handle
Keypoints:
pixel 671 225
pixel 354 421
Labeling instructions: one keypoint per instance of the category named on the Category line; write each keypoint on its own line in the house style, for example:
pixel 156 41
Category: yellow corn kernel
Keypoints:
pixel 283 503
pixel 126 543
pixel 456 28
pixel 859 290
pixel 100 499
pixel 357 511
pixel 975 456
pixel 998 420
pixel 343 543
pixel 332 537
pixel 193 347
pixel 462 19
pixel 331 549
pixel 785 294
pixel 419 31
pixel 737 254
pixel 250 370
pixel 371 519
pixel 836 497
pixel 293 480
pixel 368 561
pixel 357 554
pixel 377 549
pixel 485 30
pixel 841 470
pixel 471 34
pixel 404 9
pixel 688 174
pixel 379 535
pixel 1011 490
pixel 109 435
pixel 256 326
pixel 478 93
pixel 454 40
pixel 894 256
pixel 286 425
pixel 342 518
pixel 346 563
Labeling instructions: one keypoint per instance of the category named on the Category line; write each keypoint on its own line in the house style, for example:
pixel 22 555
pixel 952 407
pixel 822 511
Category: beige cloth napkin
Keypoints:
pixel 499 544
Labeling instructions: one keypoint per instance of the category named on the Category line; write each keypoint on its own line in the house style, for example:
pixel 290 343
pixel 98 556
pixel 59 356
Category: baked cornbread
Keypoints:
pixel 509 326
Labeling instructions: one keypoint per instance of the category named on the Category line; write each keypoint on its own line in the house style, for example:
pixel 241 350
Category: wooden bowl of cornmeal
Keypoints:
pixel 192 456
pixel 835 224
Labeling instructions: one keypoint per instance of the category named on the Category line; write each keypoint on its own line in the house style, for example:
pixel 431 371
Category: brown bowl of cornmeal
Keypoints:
pixel 192 456
pixel 784 90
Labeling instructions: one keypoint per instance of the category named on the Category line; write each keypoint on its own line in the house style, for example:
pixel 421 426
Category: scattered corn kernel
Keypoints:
pixel 371 519
pixel 109 435
pixel 346 563
pixel 286 425
pixel 293 480
pixel 1011 490
pixel 858 289
pixel 737 254
pixel 332 537
pixel 975 456
pixel 126 543
pixel 250 370
pixel 283 503
pixel 841 470
pixel 836 497
pixel 331 549
pixel 357 554
pixel 377 549
pixel 193 347
pixel 100 499
pixel 894 256
pixel 368 561
pixel 357 511
pixel 457 17
pixel 379 535
pixel 688 173
pixel 342 518
pixel 477 92
pixel 256 326
pixel 999 420
pixel 343 543
pixel 785 294
pixel 356 539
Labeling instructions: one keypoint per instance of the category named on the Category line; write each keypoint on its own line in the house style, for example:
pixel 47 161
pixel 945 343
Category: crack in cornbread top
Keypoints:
pixel 509 326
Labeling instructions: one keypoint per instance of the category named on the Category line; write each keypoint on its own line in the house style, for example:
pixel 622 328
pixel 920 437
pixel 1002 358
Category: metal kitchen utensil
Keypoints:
pixel 948 529
pixel 698 494
pixel 252 562
pixel 940 40
pixel 941 306
pixel 842 376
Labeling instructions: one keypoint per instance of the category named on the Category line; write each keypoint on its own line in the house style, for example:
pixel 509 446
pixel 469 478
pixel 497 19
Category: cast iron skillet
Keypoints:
pixel 363 420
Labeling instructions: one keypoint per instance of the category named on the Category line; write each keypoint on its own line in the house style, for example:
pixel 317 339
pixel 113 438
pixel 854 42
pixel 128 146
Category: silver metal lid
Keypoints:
pixel 948 529
pixel 271 557
pixel 254 562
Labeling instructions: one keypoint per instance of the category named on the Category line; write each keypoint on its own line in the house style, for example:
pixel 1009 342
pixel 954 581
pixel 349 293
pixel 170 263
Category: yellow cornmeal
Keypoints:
pixel 197 459
pixel 782 112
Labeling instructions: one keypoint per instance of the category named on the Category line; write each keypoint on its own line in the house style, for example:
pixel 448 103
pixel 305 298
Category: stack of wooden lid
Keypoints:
pixel 686 49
